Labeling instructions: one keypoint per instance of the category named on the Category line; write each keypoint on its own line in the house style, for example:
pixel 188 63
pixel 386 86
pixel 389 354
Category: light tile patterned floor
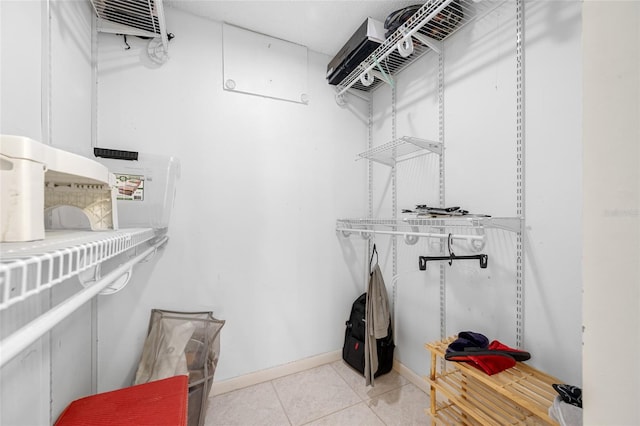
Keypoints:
pixel 332 394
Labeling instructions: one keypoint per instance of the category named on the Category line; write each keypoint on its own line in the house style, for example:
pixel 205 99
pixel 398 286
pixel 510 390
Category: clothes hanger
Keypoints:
pixel 422 260
pixel 374 251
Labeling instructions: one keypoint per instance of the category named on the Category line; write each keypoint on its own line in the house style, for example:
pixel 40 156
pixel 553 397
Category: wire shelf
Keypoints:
pixel 433 23
pixel 26 269
pixel 402 149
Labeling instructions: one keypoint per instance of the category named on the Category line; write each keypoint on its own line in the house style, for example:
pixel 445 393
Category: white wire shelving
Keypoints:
pixel 401 149
pixel 27 269
pixel 20 339
pixel 468 228
pixel 433 23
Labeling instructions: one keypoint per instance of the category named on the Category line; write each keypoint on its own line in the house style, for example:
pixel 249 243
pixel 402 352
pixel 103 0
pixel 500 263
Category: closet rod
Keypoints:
pixel 416 234
pixel 22 338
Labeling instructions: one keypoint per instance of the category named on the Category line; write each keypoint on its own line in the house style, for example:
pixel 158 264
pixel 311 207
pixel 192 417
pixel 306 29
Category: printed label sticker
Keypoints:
pixel 130 187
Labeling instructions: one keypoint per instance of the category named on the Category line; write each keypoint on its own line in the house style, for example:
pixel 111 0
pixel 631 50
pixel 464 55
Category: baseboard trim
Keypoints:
pixel 414 378
pixel 262 376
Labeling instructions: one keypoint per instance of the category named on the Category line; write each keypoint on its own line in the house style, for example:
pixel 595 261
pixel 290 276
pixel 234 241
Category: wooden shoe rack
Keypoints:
pixel 463 395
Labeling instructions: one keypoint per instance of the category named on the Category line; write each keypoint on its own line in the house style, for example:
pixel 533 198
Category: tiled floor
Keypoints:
pixel 332 394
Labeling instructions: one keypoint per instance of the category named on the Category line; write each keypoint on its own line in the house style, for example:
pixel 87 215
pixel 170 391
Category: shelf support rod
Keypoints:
pixel 341 99
pixel 432 44
pixel 359 94
pixel 25 336
pixel 411 233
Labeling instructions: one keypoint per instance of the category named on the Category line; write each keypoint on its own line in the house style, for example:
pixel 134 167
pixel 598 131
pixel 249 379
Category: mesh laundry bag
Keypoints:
pixel 183 343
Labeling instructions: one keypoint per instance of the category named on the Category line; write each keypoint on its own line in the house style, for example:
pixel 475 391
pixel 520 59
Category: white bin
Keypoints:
pixel 146 189
pixel 35 177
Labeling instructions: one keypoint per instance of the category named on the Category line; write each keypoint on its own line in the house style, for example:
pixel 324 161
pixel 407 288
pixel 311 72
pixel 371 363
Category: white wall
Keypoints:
pixel 71 73
pixel 553 275
pixel 611 212
pixel 252 236
pixel 46 95
pixel 21 61
pixel 20 114
pixel 480 176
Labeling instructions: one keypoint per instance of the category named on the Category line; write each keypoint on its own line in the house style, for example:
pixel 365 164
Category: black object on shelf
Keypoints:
pixel 365 40
pixel 115 154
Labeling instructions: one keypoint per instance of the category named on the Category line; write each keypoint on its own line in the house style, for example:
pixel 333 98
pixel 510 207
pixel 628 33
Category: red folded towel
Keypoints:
pixel 493 359
pixel 159 403
pixel 492 364
pixel 517 354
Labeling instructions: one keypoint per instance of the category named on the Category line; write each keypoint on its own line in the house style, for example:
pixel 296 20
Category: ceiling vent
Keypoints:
pixel 142 18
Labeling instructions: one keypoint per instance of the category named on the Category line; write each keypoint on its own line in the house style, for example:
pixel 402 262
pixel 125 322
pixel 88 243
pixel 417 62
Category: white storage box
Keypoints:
pixel 146 189
pixel 36 177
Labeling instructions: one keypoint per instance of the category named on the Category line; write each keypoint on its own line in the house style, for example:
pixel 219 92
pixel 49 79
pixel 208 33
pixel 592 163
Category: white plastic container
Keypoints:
pixel 146 190
pixel 35 177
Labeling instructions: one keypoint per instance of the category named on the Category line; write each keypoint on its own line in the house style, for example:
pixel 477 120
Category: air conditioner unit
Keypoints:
pixel 142 18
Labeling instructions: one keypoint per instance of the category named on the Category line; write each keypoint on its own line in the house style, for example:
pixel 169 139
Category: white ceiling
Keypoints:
pixel 322 26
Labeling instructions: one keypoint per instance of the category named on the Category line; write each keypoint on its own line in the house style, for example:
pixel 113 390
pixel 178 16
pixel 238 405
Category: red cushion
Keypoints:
pixel 162 402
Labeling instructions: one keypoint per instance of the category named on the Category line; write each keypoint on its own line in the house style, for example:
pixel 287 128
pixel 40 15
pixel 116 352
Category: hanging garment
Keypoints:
pixel 378 319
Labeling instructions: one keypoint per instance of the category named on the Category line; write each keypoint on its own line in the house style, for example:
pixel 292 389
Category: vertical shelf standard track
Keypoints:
pixel 394 195
pixel 441 194
pixel 520 188
pixel 370 179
